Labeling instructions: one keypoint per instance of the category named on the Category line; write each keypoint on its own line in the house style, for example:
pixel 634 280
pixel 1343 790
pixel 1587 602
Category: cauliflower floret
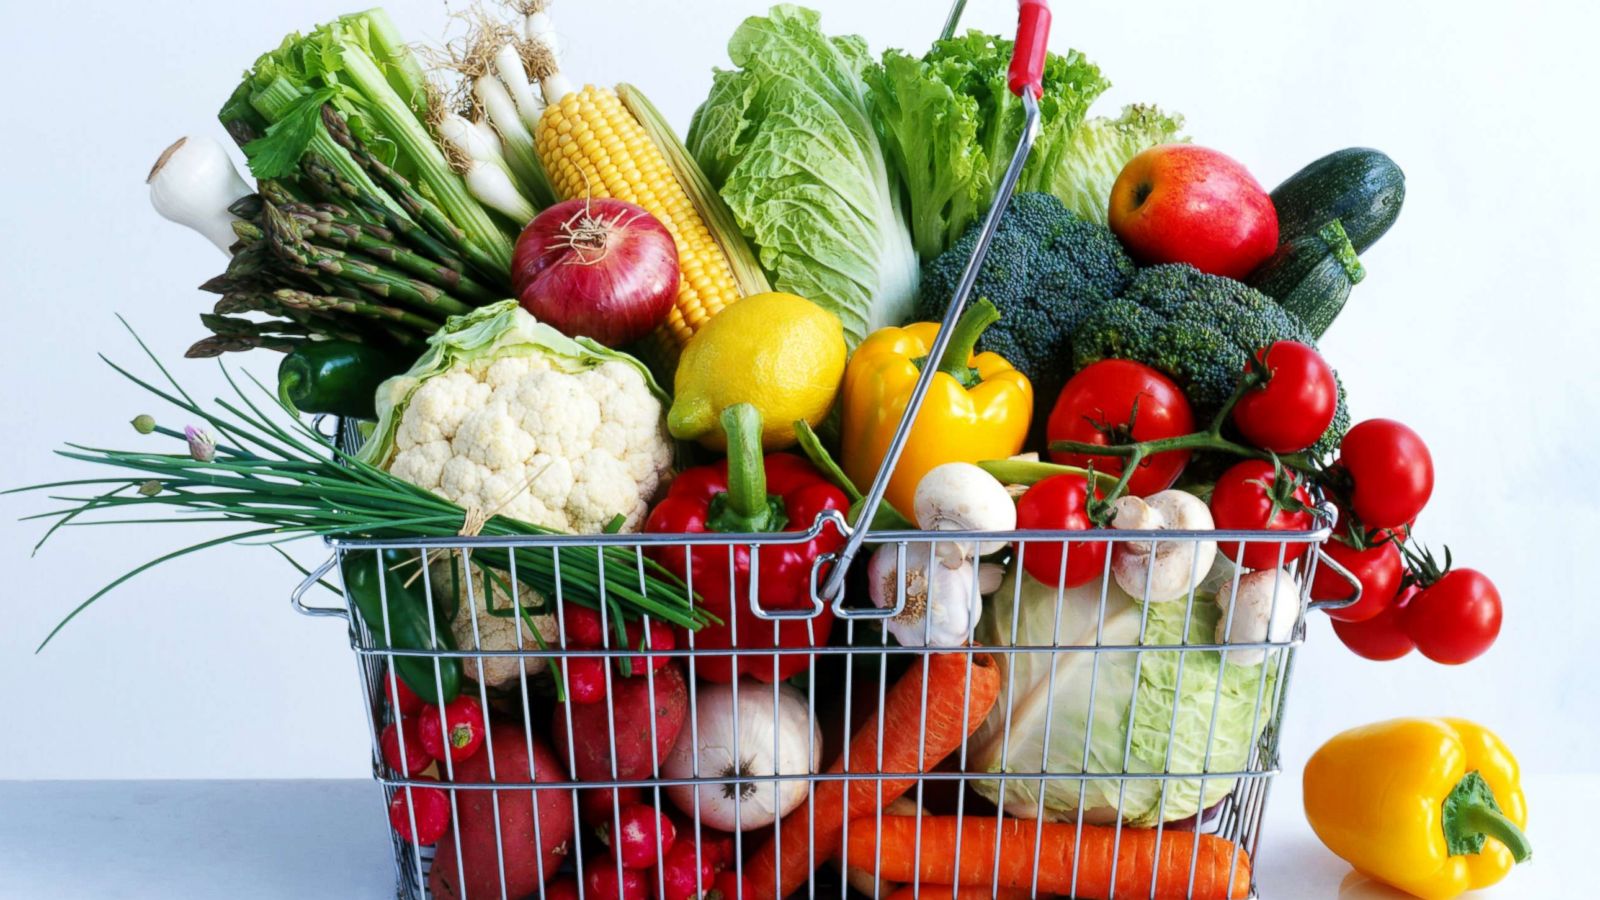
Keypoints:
pixel 493 632
pixel 524 437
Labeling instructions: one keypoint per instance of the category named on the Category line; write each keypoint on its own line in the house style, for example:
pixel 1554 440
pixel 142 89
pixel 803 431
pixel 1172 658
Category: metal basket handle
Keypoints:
pixel 1323 559
pixel 1026 79
pixel 298 596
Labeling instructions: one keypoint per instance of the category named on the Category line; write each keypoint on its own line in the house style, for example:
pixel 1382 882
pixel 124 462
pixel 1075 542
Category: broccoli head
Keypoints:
pixel 1046 270
pixel 1199 329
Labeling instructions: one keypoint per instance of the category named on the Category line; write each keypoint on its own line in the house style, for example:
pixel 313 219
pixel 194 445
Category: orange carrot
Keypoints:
pixel 944 892
pixel 1135 854
pixel 813 831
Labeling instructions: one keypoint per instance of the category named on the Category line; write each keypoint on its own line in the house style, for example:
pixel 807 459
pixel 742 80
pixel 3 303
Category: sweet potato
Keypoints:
pixel 632 707
pixel 479 865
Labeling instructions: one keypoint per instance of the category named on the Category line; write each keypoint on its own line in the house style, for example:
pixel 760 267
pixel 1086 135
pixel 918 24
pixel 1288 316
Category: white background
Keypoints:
pixel 1477 325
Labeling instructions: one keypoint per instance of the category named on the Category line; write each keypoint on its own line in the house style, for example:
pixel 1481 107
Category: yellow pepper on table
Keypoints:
pixel 978 407
pixel 1430 806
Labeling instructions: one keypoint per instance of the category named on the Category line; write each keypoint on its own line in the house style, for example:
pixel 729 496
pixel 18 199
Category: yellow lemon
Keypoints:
pixel 781 353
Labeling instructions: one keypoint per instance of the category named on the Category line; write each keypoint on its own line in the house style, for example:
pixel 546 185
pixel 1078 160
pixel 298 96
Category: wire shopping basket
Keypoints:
pixel 1098 743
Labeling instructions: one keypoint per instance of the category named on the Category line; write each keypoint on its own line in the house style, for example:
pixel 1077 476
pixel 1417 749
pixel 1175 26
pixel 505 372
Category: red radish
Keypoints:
pixel 597 808
pixel 521 833
pixel 661 639
pixel 586 679
pixel 403 700
pixel 730 885
pixel 600 877
pixel 597 267
pixel 716 847
pixel 563 888
pixel 644 835
pixel 634 712
pixel 462 731
pixel 583 627
pixel 414 758
pixel 429 805
pixel 679 872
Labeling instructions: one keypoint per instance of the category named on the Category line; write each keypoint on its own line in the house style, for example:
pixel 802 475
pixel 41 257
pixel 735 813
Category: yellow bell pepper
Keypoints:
pixel 978 407
pixel 1430 806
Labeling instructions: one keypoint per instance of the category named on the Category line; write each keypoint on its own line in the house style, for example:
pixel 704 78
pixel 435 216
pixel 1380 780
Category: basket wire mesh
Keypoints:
pixel 852 671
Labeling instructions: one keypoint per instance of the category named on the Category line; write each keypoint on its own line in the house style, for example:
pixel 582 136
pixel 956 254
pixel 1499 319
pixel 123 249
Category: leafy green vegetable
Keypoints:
pixel 1098 150
pixel 359 65
pixel 787 140
pixel 950 125
pixel 1127 726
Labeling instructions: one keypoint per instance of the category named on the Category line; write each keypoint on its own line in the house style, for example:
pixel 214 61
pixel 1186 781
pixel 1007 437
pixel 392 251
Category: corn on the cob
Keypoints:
pixel 593 146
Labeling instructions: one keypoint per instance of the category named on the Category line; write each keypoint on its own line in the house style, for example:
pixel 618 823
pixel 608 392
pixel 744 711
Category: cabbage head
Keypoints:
pixel 1058 731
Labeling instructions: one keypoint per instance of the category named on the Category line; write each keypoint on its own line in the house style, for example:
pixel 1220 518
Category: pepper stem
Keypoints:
pixel 1471 814
pixel 964 339
pixel 745 507
pixel 1494 823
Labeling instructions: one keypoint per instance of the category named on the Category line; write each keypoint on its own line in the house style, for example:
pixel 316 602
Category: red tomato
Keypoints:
pixel 1059 503
pixel 1243 501
pixel 1132 402
pixel 1380 637
pixel 1378 569
pixel 1454 619
pixel 1295 406
pixel 1391 471
pixel 462 731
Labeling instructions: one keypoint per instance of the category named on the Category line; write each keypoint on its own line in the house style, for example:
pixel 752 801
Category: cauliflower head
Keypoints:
pixel 475 627
pixel 519 420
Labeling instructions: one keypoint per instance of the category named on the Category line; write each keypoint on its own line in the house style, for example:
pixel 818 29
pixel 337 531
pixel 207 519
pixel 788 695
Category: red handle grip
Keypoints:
pixel 1033 39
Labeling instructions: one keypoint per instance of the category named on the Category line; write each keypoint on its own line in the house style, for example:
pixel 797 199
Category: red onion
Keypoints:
pixel 602 268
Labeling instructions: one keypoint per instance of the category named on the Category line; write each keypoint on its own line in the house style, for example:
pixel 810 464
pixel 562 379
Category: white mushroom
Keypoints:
pixel 1264 608
pixel 1177 565
pixel 960 496
pixel 941 608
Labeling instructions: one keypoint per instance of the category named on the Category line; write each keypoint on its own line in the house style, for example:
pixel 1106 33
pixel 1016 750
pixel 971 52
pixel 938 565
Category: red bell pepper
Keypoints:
pixel 749 494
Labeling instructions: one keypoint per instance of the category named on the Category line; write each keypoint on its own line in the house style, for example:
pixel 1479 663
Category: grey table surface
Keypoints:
pixel 242 840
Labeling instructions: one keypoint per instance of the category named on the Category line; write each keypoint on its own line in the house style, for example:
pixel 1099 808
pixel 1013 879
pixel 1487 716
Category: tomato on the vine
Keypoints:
pixel 1378 568
pixel 1118 401
pixel 1256 496
pixel 1381 637
pixel 1454 619
pixel 1391 472
pixel 1296 404
pixel 1059 503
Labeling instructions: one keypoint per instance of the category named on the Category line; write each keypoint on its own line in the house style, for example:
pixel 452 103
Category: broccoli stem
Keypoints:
pixel 964 339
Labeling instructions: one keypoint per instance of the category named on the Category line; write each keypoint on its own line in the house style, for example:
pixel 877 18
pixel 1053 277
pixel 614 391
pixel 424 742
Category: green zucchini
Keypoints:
pixel 1328 212
pixel 1361 188
pixel 1311 276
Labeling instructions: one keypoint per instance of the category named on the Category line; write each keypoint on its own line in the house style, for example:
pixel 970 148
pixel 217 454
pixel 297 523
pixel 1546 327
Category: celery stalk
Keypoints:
pixel 274 100
pixel 398 123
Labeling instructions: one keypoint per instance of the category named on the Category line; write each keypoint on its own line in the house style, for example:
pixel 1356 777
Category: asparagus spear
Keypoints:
pixel 216 345
pixel 333 226
pixel 331 187
pixel 417 206
pixel 315 303
pixel 283 236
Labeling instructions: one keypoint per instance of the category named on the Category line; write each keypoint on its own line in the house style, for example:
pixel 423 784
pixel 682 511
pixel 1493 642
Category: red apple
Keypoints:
pixel 1178 203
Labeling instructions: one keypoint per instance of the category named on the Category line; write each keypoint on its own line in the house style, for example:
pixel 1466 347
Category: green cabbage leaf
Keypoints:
pixel 1104 713
pixel 787 140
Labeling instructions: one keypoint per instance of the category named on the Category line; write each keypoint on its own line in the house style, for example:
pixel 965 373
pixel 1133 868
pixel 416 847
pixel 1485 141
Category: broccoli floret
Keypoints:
pixel 1200 329
pixel 1046 270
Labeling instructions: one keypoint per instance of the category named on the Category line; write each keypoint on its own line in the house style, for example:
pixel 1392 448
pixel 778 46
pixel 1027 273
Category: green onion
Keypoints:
pixel 282 482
